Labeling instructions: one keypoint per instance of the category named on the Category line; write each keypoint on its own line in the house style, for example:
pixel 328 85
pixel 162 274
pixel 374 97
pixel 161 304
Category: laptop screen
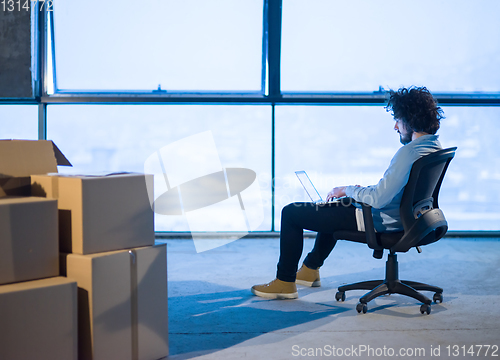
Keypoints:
pixel 308 186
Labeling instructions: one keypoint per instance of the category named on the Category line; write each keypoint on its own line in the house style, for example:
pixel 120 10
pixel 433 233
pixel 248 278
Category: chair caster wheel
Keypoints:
pixel 425 308
pixel 438 298
pixel 361 307
pixel 340 296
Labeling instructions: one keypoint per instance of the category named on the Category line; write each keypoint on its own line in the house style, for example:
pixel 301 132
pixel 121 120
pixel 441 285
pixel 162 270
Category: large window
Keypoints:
pixel 341 145
pixel 18 122
pixel 141 45
pixel 360 45
pixel 116 138
pixel 470 195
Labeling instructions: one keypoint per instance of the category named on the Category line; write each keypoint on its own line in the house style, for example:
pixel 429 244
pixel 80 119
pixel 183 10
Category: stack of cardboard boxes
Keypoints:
pixel 105 244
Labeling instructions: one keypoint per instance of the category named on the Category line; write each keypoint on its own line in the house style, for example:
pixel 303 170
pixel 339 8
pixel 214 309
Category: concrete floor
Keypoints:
pixel 213 314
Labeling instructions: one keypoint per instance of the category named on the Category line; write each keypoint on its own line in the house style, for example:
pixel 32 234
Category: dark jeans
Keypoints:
pixel 325 219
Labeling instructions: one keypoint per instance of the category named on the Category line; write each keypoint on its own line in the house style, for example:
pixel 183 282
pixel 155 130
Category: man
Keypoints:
pixel 417 119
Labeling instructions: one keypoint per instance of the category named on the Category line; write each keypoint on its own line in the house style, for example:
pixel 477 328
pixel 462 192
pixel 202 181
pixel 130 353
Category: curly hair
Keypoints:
pixel 417 108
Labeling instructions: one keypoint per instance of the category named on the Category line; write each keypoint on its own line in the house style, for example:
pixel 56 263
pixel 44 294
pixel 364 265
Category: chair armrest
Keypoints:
pixel 371 237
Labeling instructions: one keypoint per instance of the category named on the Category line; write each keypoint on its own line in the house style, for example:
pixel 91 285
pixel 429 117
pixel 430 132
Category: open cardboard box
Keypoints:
pixel 19 159
pixel 96 213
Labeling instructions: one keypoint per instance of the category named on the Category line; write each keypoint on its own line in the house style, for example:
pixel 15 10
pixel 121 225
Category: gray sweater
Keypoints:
pixel 385 197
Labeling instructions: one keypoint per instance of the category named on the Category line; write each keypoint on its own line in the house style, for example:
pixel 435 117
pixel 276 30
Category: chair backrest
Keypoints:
pixel 419 209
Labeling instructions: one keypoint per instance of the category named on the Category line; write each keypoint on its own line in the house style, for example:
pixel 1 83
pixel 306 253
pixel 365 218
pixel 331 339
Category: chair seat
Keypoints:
pixel 386 240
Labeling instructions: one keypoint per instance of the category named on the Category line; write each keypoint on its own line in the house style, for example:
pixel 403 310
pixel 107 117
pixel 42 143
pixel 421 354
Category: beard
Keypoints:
pixel 406 138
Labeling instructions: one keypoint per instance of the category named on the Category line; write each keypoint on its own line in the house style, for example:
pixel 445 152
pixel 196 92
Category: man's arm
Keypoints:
pixel 393 181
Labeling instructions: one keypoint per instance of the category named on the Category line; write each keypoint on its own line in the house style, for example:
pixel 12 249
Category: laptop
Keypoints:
pixel 311 190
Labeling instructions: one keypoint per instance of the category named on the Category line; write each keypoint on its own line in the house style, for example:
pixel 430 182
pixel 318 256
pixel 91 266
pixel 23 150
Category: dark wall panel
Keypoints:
pixel 15 53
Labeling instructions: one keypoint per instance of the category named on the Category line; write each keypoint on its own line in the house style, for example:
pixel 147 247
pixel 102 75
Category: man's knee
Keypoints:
pixel 286 211
pixel 291 209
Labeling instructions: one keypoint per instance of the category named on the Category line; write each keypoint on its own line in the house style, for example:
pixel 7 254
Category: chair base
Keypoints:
pixel 392 285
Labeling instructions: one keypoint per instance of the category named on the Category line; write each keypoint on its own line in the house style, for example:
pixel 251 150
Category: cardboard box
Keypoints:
pixel 15 186
pixel 99 213
pixel 21 158
pixel 29 247
pixel 39 320
pixel 122 303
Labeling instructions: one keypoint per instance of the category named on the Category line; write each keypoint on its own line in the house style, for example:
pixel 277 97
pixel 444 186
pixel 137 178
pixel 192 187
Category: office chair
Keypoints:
pixel 423 223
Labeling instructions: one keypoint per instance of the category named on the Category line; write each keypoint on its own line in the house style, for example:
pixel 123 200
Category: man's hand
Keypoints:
pixel 336 193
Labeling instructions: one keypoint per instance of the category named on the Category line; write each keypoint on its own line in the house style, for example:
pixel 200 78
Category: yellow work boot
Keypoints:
pixel 308 277
pixel 276 289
